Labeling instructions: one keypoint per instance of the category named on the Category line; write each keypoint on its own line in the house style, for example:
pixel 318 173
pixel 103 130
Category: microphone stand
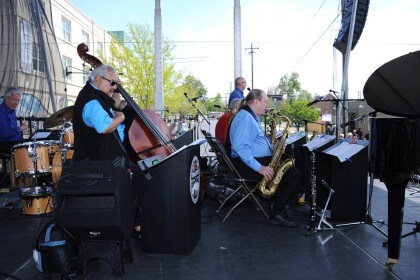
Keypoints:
pixel 359 119
pixel 337 103
pixel 198 112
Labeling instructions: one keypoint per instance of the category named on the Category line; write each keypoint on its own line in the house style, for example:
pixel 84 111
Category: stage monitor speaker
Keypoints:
pixel 170 216
pixel 96 200
pixel 361 15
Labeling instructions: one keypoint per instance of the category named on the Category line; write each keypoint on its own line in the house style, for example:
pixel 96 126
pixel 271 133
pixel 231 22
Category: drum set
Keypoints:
pixel 36 165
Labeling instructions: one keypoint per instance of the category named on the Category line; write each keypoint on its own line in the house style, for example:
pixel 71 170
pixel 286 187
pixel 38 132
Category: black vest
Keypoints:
pixel 88 143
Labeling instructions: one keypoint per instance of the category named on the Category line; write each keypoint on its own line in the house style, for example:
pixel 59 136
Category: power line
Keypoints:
pixel 313 17
pixel 313 45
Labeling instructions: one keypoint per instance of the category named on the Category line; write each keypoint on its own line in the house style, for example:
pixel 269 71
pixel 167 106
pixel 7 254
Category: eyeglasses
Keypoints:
pixel 113 83
pixel 14 99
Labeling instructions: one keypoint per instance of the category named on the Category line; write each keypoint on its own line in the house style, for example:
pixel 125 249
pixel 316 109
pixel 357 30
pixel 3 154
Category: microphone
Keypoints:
pixel 333 91
pixel 327 186
pixel 248 88
pixel 343 125
pixel 314 101
pixel 191 99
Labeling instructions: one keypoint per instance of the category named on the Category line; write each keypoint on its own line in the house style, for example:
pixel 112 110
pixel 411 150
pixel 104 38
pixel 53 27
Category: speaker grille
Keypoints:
pixel 89 201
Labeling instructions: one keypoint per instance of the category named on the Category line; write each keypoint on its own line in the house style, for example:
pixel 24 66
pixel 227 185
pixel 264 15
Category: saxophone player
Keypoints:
pixel 252 151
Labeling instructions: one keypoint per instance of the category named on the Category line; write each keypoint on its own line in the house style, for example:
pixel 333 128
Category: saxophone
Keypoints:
pixel 268 188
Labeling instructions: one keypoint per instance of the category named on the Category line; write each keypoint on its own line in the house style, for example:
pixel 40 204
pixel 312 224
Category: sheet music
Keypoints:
pixel 41 135
pixel 318 142
pixel 294 137
pixel 344 150
pixel 196 142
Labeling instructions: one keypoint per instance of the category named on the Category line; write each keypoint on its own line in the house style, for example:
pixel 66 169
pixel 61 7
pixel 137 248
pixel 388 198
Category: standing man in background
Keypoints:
pixel 240 85
pixel 10 132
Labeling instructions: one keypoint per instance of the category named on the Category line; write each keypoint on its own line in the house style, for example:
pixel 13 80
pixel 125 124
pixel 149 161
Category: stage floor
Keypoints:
pixel 244 247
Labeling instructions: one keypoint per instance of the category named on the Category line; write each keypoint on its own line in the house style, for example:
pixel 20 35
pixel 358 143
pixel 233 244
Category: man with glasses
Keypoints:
pixel 99 125
pixel 251 153
pixel 10 132
pixel 240 85
pixel 95 119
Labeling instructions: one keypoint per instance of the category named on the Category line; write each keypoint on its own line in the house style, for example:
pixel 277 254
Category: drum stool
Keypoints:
pixel 4 157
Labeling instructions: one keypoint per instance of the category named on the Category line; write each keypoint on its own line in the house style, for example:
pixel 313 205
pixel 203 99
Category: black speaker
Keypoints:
pixel 361 15
pixel 96 199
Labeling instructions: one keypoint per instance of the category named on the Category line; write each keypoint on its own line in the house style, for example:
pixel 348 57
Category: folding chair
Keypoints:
pixel 235 177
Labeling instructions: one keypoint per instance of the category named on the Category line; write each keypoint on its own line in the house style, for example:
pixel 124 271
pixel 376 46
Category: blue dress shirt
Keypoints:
pixel 237 93
pixel 248 139
pixel 96 117
pixel 9 130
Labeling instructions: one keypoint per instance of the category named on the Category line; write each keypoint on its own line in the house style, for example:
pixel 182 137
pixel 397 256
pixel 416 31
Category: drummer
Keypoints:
pixel 10 132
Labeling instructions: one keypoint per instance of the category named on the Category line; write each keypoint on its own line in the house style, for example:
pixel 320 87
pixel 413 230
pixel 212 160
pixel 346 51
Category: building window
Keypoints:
pixel 86 73
pixel 66 27
pixel 66 67
pixel 85 37
pixel 37 59
pixel 99 48
pixel 26 46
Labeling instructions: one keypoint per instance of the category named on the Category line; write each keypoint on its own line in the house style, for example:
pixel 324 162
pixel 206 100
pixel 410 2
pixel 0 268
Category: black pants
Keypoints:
pixel 288 190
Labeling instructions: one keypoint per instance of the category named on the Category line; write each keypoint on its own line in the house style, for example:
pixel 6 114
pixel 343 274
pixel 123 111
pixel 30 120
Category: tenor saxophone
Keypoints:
pixel 268 188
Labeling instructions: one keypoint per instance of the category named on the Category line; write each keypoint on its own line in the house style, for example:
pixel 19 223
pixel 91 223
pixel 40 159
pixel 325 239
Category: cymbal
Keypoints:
pixel 59 117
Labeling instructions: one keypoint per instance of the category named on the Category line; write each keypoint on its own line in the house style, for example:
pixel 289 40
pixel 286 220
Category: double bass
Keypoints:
pixel 148 133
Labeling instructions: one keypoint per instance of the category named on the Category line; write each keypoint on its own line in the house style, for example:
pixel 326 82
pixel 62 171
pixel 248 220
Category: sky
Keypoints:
pixel 291 36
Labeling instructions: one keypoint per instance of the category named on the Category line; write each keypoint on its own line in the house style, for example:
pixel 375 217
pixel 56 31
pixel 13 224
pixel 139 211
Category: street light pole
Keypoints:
pixel 251 52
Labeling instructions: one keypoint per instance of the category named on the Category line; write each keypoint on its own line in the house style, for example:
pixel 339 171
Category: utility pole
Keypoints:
pixel 237 45
pixel 251 52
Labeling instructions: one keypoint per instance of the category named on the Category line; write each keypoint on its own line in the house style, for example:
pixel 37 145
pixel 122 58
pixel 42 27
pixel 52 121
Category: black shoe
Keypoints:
pixel 281 220
pixel 136 234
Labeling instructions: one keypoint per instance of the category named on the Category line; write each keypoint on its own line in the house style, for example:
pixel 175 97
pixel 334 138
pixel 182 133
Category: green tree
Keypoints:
pixel 299 111
pixel 138 67
pixel 178 104
pixel 289 85
pixel 215 101
pixel 304 95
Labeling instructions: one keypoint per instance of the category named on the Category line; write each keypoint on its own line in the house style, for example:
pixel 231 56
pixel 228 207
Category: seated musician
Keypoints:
pixel 252 152
pixel 222 125
pixel 10 132
pixel 98 126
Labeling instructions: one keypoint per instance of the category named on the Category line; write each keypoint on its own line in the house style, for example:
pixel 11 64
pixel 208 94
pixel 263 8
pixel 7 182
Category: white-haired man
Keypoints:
pixel 10 132
pixel 98 126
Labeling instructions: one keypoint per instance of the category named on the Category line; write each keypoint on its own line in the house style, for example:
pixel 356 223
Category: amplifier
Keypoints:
pixel 96 199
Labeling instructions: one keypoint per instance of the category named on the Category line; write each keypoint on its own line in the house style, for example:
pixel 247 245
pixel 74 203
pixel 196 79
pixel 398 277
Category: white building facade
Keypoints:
pixel 73 27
